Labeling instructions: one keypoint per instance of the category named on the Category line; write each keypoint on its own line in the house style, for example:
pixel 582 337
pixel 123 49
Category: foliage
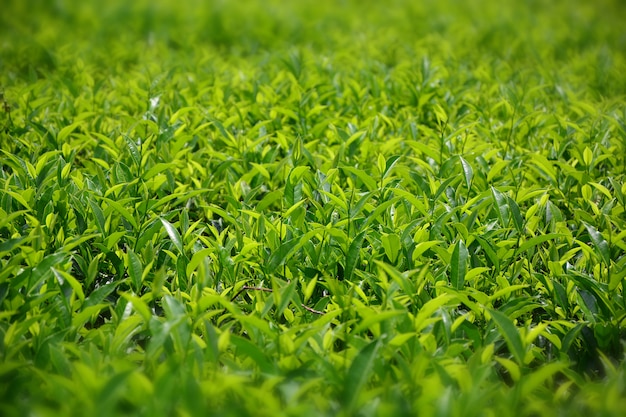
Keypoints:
pixel 318 208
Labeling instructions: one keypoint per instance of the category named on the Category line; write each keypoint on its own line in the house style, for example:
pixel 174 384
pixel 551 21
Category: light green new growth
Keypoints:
pixel 312 208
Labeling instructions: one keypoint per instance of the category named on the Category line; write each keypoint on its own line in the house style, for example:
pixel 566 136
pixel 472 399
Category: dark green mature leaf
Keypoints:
pixel 353 255
pixel 600 244
pixel 511 335
pixel 133 150
pixel 135 269
pixel 286 295
pixel 516 215
pixel 502 208
pixel 100 293
pixel 489 252
pixel 359 373
pixel 41 272
pixel 99 215
pixel 468 172
pixel 254 352
pixel 389 164
pixel 279 256
pixel 458 265
pixel 8 245
pixel 561 295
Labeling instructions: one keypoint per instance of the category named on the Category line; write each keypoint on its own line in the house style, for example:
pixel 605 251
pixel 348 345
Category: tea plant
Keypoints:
pixel 358 208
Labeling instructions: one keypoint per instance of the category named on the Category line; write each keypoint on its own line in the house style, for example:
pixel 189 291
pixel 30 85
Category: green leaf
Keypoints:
pixel 392 246
pixel 99 294
pixel 99 215
pixel 599 243
pixel 468 172
pixel 253 352
pixel 285 297
pixel 534 241
pixel 352 258
pixel 538 377
pixel 268 200
pixel 293 192
pixel 516 215
pixel 502 207
pixel 174 235
pixel 458 265
pixel 359 373
pixel 44 268
pixel 279 256
pixel 121 210
pixel 381 164
pixel 133 150
pixel 489 252
pixel 377 317
pixel 158 168
pixel 511 335
pixel 10 244
pixel 561 296
pixel 18 197
pixel 140 305
pixel 135 269
pixel 423 247
pixel 63 276
pixel 66 131
pixel 366 179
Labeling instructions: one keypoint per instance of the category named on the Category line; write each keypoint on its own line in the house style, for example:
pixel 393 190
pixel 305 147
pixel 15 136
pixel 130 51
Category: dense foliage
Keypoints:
pixel 312 208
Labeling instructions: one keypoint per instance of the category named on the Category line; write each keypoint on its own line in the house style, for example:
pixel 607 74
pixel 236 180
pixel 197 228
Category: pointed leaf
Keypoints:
pixel 253 352
pixel 458 265
pixel 280 255
pixel 600 244
pixel 468 172
pixel 391 244
pixel 286 294
pixel 502 207
pixel 359 373
pixel 135 269
pixel 516 215
pixel 423 247
pixel 365 178
pixel 511 335
pixel 121 210
pixel 174 235
pixel 353 255
pixel 73 282
pixel 139 305
pixel 66 131
pixel 268 200
pixel 293 192
pixel 98 214
pixel 534 241
pixel 133 150
pixel 391 161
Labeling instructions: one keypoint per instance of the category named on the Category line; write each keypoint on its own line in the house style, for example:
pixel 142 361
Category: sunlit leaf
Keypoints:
pixel 174 235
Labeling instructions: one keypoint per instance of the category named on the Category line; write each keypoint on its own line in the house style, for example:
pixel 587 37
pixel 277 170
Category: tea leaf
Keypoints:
pixel 458 265
pixel 174 235
pixel 511 335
